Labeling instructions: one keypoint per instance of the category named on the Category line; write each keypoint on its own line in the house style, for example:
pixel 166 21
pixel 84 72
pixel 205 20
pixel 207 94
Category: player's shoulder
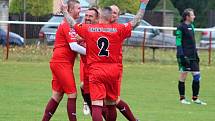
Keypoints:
pixel 181 26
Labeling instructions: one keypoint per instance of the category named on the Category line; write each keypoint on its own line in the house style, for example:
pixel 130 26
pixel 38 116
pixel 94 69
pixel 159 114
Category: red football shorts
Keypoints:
pixel 62 78
pixel 103 82
pixel 120 78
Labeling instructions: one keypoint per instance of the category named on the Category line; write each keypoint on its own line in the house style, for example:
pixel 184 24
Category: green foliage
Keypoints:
pixel 16 6
pixel 33 7
pixel 130 6
pixel 199 6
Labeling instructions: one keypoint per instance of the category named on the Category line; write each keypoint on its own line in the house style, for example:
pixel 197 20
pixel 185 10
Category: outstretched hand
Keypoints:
pixel 63 6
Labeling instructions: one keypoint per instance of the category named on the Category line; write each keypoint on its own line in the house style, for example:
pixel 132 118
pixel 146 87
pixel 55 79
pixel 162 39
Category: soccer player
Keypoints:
pixel 91 17
pixel 61 64
pixel 133 23
pixel 187 57
pixel 121 104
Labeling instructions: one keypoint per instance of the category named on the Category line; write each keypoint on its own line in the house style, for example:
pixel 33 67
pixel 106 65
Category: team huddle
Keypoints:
pixel 98 40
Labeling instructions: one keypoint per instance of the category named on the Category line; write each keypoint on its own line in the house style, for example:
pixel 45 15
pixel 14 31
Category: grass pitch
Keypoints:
pixel 150 89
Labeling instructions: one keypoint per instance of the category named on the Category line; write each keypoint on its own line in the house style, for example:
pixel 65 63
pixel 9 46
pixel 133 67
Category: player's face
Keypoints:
pixel 115 14
pixel 191 17
pixel 75 11
pixel 90 17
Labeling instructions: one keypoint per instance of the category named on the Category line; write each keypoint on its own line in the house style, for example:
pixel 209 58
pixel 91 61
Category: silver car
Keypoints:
pixel 153 36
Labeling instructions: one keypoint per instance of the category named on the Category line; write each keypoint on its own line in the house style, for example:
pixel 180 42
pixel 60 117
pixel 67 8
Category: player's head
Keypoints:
pixel 74 8
pixel 91 16
pixel 188 15
pixel 115 13
pixel 106 14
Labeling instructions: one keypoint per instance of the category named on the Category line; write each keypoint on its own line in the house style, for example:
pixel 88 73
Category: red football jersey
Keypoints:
pixel 62 51
pixel 104 41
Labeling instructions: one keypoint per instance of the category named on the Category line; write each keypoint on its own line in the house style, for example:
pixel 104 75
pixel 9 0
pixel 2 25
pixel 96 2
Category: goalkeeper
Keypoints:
pixel 187 57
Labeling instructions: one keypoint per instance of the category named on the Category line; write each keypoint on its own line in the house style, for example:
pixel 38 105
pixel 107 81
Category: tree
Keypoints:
pixel 199 6
pixel 33 7
pixel 130 6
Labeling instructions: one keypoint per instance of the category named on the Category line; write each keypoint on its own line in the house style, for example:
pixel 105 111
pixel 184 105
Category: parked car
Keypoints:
pixel 47 32
pixel 14 39
pixel 204 42
pixel 153 36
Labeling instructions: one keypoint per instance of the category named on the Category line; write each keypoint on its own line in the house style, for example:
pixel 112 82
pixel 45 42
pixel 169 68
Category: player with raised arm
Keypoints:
pixel 132 23
pixel 121 104
pixel 61 64
pixel 187 57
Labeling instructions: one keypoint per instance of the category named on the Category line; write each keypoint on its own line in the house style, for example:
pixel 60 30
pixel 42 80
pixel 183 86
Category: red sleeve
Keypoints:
pixel 81 30
pixel 126 31
pixel 69 33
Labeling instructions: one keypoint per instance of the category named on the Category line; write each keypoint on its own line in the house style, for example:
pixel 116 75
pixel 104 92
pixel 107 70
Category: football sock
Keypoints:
pixel 181 89
pixel 82 93
pixel 104 112
pixel 88 100
pixel 195 88
pixel 96 113
pixel 50 109
pixel 71 109
pixel 112 114
pixel 125 110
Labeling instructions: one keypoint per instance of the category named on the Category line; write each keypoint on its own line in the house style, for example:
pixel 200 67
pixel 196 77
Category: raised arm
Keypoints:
pixel 140 13
pixel 70 20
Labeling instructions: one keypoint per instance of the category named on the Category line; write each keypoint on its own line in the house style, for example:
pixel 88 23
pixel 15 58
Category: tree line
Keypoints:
pixel 44 7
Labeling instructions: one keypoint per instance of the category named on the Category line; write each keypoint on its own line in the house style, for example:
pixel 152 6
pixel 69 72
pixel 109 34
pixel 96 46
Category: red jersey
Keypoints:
pixel 104 41
pixel 62 51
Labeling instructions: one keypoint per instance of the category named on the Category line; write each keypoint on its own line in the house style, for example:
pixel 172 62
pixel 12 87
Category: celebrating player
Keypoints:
pixel 104 45
pixel 61 64
pixel 91 17
pixel 120 104
pixel 187 57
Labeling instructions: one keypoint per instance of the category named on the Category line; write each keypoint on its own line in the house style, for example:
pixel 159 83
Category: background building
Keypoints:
pixel 3 12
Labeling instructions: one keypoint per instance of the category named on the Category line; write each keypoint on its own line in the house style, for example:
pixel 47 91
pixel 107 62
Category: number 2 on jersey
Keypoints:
pixel 103 45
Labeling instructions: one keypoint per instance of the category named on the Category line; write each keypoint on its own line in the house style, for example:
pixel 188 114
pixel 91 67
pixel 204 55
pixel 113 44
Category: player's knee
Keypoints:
pixel 196 77
pixel 183 76
pixel 118 100
pixel 57 96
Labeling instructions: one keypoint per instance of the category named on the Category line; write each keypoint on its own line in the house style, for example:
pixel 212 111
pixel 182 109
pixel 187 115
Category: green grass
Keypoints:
pixel 150 88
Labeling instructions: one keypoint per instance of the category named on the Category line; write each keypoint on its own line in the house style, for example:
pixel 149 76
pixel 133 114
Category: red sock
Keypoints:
pixel 96 113
pixel 125 110
pixel 50 109
pixel 112 114
pixel 71 109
